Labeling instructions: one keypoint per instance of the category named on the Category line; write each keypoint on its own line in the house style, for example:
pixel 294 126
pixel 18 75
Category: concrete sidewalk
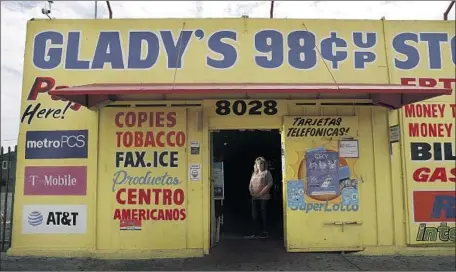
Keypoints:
pixel 292 262
pixel 247 255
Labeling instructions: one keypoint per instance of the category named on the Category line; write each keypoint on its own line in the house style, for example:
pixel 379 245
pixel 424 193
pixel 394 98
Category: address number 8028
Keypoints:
pixel 241 107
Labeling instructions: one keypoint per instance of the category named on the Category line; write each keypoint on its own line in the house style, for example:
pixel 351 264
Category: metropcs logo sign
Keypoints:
pixel 62 144
pixel 54 219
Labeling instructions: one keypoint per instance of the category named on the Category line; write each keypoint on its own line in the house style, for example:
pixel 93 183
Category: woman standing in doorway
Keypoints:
pixel 260 186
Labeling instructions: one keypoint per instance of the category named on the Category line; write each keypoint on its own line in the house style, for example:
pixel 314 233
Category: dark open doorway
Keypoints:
pixel 238 149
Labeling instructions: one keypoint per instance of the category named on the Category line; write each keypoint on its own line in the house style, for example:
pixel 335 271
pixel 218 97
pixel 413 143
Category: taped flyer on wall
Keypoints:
pixel 130 224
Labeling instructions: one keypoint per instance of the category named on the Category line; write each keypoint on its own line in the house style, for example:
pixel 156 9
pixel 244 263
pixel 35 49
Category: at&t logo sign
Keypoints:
pixel 35 218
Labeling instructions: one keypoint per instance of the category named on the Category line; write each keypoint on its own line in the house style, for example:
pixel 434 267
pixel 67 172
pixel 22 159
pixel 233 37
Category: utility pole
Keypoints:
pixel 96 9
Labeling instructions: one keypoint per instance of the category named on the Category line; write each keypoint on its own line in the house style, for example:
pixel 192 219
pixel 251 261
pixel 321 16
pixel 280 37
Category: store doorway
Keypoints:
pixel 235 151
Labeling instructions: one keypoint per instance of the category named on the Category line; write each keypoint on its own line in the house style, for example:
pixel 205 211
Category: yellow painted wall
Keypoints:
pixel 424 74
pixel 374 223
pixel 384 175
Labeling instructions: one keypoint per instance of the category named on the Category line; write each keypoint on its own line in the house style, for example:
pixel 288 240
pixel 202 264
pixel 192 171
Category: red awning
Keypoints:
pixel 390 96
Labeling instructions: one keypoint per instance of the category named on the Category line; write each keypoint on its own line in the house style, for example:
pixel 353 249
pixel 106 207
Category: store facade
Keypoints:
pixel 114 150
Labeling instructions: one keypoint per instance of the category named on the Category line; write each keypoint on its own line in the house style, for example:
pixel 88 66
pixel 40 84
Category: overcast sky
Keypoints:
pixel 14 15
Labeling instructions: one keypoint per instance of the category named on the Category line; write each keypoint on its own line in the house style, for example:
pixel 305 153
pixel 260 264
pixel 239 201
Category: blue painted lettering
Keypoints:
pixel 406 44
pixel 364 56
pixel 72 53
pixel 145 47
pixel 453 49
pixel 371 40
pixel 48 48
pixel 302 56
pixel 411 53
pixel 108 50
pixel 433 41
pixel 325 207
pixel 135 58
pixel 445 204
pixel 329 50
pixel 269 42
pixel 228 51
pixel 176 50
pixel 122 177
pixel 45 57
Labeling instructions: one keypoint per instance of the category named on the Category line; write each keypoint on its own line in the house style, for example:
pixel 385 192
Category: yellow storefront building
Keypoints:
pixel 137 137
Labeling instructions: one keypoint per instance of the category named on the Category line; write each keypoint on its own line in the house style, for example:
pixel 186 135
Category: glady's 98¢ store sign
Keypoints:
pixel 271 49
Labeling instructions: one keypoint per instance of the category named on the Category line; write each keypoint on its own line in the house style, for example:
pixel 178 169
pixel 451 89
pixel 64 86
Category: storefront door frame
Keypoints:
pixel 232 123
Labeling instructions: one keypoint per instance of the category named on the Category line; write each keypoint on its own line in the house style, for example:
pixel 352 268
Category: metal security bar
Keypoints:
pixel 7 184
pixel 445 15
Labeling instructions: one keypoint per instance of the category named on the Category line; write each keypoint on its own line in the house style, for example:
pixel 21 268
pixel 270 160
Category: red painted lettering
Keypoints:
pixel 144 197
pixel 130 119
pixel 117 214
pixel 152 214
pixel 117 119
pixel 427 82
pixel 157 196
pixel 448 82
pixel 118 196
pixel 425 110
pixel 150 119
pixel 142 118
pixel 126 214
pixel 453 110
pixel 183 214
pixel 439 174
pixel 171 117
pixel 132 196
pixel 169 214
pixel 430 130
pixel 142 215
pixel 408 81
pixel 150 139
pixel 137 196
pixel 41 85
pixel 159 119
pixel 167 193
pixel 134 214
pixel 178 197
pixel 421 174
pixel 159 141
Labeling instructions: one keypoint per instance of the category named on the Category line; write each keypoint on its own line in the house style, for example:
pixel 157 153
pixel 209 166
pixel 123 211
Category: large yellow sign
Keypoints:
pixel 62 53
pixel 234 50
pixel 143 184
pixel 429 132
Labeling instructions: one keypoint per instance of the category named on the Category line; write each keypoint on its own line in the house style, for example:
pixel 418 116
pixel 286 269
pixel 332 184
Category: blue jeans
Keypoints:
pixel 259 215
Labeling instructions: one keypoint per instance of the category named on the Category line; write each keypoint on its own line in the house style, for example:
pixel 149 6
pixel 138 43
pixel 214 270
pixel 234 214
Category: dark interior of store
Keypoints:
pixel 238 151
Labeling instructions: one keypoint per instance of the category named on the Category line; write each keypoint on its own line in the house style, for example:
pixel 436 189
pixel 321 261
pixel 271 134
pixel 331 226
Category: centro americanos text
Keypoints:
pixel 164 197
pixel 159 133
